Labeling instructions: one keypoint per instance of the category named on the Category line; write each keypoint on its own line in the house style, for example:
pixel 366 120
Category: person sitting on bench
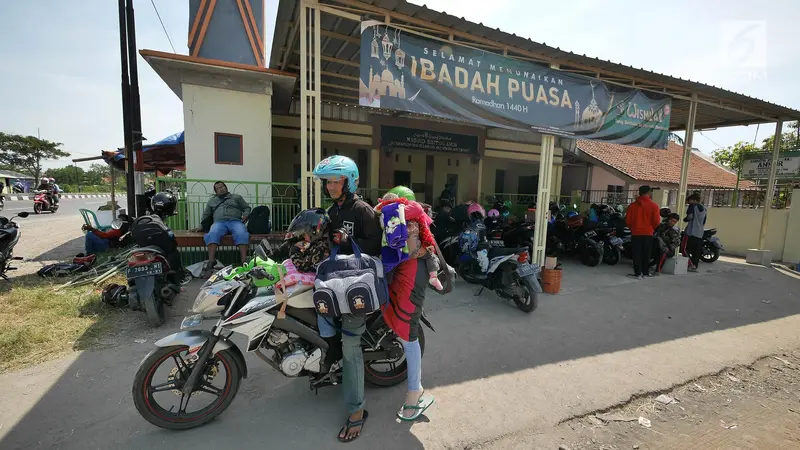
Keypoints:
pixel 229 212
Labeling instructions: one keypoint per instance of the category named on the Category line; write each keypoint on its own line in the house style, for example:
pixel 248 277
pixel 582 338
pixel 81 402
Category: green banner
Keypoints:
pixel 406 72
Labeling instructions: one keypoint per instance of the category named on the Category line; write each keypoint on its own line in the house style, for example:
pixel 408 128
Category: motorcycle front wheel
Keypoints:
pixel 590 256
pixel 168 385
pixel 37 208
pixel 387 373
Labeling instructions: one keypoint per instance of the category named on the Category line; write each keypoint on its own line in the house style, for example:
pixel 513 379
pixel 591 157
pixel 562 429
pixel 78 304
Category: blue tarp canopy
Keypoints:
pixel 170 154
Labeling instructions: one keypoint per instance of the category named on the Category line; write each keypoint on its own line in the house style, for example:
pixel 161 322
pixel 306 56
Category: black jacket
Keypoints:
pixel 359 220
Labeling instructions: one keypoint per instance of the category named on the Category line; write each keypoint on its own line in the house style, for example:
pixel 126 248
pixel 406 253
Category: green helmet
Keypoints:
pixel 403 192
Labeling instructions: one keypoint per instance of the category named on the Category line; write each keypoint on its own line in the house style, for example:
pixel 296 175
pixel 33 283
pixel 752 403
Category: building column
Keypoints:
pixel 776 150
pixel 687 156
pixel 543 198
pixel 374 168
pixel 310 104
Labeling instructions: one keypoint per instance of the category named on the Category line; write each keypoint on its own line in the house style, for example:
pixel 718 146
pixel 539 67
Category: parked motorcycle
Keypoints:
pixel 9 236
pixel 154 270
pixel 243 300
pixel 712 246
pixel 571 236
pixel 509 273
pixel 42 202
pixel 2 202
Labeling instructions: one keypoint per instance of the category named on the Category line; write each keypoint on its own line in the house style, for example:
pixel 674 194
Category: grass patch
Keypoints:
pixel 39 324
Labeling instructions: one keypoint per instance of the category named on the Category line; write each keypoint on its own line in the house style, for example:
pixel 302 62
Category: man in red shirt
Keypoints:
pixel 642 218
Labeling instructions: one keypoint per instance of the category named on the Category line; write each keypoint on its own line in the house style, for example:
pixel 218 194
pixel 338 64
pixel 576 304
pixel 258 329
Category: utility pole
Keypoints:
pixel 126 115
pixel 135 111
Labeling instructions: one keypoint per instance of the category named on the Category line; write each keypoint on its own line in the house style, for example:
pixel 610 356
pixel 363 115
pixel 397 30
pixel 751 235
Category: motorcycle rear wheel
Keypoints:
pixel 710 253
pixel 397 374
pixel 611 255
pixel 153 412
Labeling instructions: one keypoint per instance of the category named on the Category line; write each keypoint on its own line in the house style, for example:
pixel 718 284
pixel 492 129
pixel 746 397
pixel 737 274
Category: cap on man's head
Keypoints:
pixel 643 190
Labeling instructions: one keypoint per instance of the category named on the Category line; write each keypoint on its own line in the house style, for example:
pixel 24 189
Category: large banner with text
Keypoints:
pixel 407 72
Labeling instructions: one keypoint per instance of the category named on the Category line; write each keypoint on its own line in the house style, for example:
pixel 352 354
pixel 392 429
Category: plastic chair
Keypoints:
pixel 90 219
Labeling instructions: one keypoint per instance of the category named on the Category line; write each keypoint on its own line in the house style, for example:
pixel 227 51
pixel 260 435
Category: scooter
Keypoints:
pixel 507 270
pixel 9 236
pixel 41 202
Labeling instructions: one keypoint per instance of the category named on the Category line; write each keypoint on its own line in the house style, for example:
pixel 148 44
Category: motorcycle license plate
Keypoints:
pixel 616 241
pixel 590 234
pixel 143 271
pixel 523 270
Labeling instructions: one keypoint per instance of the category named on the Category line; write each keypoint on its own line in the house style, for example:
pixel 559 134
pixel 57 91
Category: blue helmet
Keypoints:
pixel 339 166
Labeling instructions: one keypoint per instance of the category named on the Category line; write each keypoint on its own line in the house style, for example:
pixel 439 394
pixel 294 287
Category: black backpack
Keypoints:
pixel 258 222
pixel 151 230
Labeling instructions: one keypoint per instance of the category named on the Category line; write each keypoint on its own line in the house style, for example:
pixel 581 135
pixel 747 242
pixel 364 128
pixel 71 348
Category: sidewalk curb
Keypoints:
pixel 26 197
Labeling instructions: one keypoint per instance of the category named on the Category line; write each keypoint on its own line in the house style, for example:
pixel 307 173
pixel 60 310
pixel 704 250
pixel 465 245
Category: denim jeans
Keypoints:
pixel 353 360
pixel 414 361
pixel 94 244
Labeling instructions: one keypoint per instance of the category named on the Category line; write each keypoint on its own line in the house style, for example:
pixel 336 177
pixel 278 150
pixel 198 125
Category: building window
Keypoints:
pixel 228 149
pixel 615 194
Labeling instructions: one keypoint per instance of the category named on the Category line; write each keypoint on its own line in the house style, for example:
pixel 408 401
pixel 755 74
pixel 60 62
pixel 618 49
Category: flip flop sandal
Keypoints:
pixel 422 405
pixel 353 424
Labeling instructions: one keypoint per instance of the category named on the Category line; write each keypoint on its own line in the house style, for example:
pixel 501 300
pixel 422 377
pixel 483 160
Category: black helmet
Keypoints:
pixel 164 204
pixel 664 212
pixel 313 222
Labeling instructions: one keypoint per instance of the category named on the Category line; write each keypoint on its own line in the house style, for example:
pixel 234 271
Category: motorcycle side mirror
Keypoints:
pixel 23 214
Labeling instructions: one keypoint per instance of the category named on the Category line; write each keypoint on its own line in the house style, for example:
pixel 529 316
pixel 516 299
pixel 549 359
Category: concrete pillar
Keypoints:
pixel 543 198
pixel 374 168
pixel 687 155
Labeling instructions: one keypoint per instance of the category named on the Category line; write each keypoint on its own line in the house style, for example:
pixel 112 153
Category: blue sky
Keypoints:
pixel 60 69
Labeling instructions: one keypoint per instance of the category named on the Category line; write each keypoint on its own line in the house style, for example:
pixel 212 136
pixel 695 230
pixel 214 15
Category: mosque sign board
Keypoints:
pixel 406 72
pixel 756 166
pixel 401 138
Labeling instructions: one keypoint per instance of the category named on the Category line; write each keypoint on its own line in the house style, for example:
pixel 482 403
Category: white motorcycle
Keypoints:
pixel 206 366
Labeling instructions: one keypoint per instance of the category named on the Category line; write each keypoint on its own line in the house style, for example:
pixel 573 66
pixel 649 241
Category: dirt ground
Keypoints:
pixel 750 407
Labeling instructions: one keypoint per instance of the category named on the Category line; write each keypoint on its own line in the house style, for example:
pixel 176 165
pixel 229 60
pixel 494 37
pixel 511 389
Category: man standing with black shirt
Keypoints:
pixel 352 220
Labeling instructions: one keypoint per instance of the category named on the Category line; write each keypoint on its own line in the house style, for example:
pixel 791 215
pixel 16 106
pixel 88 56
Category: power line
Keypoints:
pixel 152 2
pixel 702 134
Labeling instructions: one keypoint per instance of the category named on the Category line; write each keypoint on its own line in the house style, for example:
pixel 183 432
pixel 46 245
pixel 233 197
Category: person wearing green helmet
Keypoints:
pixel 407 291
pixel 403 192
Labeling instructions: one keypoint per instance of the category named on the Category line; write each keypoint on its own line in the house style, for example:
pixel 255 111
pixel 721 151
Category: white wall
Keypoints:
pixel 208 110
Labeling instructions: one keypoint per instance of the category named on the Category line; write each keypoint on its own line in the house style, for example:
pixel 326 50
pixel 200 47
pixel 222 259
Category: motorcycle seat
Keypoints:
pixel 494 252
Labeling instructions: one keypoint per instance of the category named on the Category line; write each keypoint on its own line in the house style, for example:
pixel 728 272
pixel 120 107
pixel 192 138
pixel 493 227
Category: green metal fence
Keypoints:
pixel 282 199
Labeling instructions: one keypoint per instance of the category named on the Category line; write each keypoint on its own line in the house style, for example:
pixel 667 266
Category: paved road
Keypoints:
pixel 66 207
pixel 500 376
pixel 48 237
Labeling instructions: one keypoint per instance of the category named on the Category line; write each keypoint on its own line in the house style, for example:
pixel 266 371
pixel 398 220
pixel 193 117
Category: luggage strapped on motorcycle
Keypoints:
pixel 352 284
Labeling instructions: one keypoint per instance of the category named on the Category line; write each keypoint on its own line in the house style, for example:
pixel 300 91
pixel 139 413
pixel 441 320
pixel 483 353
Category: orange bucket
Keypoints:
pixel 551 280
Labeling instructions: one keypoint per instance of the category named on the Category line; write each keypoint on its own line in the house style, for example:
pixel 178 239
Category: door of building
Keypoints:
pixel 402 178
pixel 452 181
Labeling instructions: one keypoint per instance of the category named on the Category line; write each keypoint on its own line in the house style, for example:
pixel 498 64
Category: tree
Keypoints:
pixel 790 140
pixel 72 175
pixel 26 153
pixel 98 174
pixel 732 156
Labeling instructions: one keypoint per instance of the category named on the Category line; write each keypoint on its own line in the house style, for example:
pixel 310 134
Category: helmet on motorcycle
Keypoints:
pixel 494 213
pixel 313 223
pixel 476 212
pixel 52 180
pixel 164 204
pixel 572 214
pixel 338 166
pixel 403 192
pixel 507 204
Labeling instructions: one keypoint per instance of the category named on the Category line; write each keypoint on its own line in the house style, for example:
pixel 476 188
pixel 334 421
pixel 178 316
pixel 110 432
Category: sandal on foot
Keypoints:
pixel 423 404
pixel 352 424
